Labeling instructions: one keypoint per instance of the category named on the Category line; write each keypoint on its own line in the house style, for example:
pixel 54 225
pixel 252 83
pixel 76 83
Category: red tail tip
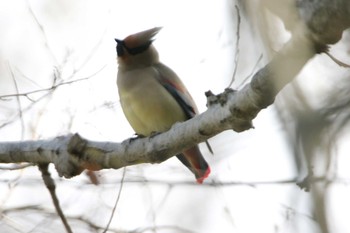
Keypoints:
pixel 205 175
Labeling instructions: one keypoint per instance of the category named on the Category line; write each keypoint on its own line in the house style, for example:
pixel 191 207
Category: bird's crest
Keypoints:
pixel 138 42
pixel 141 38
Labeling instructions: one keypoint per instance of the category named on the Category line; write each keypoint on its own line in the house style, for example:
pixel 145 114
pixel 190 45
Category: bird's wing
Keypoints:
pixel 177 89
pixel 172 83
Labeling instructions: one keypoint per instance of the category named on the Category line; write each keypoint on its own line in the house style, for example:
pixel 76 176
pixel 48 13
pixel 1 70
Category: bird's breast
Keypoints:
pixel 147 105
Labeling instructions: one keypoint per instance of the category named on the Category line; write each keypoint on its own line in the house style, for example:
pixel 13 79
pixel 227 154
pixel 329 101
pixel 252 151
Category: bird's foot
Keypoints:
pixel 154 133
pixel 135 137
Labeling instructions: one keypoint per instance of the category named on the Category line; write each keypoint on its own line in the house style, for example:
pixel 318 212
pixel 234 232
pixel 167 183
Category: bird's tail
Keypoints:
pixel 193 159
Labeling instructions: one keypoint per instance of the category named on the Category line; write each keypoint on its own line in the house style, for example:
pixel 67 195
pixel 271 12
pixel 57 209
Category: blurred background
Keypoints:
pixel 58 76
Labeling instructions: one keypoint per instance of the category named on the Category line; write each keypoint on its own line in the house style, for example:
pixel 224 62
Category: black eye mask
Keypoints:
pixel 133 51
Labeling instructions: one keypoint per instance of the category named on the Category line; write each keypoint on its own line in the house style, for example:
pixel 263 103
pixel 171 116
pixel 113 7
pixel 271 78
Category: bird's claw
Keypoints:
pixel 154 133
pixel 135 137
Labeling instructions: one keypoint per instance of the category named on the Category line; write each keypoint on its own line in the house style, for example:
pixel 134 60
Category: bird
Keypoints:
pixel 153 97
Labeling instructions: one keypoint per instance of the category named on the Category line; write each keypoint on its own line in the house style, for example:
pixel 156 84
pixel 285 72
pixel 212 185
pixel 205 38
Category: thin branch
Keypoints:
pixel 25 77
pixel 20 113
pixel 53 87
pixel 243 82
pixel 237 46
pixel 165 227
pixel 116 202
pixel 92 224
pixel 37 208
pixel 43 96
pixel 50 185
pixel 42 30
pixel 13 167
pixel 213 183
pixel 337 61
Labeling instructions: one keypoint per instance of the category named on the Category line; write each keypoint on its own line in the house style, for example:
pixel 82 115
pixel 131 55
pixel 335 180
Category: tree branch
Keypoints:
pixel 51 186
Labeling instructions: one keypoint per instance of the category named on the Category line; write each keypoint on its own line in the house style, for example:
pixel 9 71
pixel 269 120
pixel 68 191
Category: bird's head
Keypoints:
pixel 136 50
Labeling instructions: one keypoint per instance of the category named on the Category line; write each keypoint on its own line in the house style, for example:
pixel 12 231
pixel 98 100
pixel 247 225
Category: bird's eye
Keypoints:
pixel 120 47
pixel 139 49
pixel 120 50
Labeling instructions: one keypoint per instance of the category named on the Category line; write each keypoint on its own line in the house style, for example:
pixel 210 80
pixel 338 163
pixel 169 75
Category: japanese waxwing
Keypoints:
pixel 152 96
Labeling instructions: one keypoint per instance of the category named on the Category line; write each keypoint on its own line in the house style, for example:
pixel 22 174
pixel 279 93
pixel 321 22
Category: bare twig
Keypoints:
pixel 116 202
pixel 37 208
pixel 53 87
pixel 25 77
pixel 337 61
pixel 214 183
pixel 237 46
pixel 16 166
pixel 42 30
pixel 251 73
pixel 164 227
pixel 55 84
pixel 50 185
pixel 20 113
pixel 94 226
pixel 12 119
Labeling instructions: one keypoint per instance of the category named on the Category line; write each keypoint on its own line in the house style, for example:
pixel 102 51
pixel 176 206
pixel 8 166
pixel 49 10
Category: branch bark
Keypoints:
pixel 229 110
